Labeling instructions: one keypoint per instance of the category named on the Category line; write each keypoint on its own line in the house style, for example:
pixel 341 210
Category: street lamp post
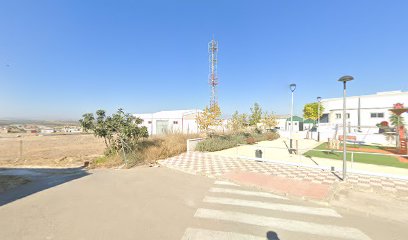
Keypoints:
pixel 344 79
pixel 318 118
pixel 292 89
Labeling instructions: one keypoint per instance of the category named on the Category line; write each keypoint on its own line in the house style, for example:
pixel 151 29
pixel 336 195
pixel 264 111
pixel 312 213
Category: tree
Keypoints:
pixel 256 115
pixel 310 111
pixel 269 120
pixel 209 117
pixel 238 122
pixel 120 131
pixel 101 128
pixel 87 122
pixel 395 120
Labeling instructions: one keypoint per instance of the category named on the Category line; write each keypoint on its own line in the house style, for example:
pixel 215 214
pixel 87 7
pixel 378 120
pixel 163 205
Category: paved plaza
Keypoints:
pixel 217 166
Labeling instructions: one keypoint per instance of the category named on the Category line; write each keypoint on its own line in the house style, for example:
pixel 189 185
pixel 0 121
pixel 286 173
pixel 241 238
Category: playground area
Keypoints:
pixel 370 154
pixel 308 152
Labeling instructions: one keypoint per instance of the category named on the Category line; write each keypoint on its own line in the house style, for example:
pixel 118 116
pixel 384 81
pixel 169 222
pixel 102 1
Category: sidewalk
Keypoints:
pixel 277 150
pixel 293 177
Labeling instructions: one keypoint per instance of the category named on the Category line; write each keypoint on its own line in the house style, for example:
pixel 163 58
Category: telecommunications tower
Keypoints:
pixel 213 78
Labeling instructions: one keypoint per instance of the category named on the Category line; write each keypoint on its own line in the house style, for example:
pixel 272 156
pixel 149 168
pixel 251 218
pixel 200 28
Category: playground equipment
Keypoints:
pixel 401 139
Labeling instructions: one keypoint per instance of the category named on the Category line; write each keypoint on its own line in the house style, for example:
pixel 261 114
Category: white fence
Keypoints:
pixel 364 135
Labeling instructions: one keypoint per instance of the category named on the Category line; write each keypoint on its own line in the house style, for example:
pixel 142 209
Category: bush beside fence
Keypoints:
pixel 220 142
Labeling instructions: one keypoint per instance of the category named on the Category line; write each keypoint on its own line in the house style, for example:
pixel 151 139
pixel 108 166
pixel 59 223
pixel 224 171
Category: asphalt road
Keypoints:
pixel 159 203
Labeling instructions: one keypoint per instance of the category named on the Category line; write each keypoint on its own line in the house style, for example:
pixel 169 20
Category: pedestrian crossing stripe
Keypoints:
pixel 273 206
pixel 226 183
pixel 246 193
pixel 203 234
pixel 284 224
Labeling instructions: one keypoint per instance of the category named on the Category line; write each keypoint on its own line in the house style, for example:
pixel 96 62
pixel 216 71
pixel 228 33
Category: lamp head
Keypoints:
pixel 345 78
pixel 292 87
pixel 319 99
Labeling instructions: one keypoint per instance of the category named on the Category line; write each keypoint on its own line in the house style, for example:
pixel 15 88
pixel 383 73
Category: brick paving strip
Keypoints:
pixel 286 179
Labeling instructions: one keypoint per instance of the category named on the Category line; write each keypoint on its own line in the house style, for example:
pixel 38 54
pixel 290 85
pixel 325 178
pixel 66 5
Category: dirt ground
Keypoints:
pixel 52 150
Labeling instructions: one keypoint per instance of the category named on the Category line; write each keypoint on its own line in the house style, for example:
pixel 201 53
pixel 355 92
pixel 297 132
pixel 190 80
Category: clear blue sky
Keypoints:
pixel 59 59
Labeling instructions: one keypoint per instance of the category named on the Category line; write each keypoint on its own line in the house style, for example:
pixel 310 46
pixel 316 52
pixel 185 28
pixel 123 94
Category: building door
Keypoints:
pixel 300 126
pixel 162 126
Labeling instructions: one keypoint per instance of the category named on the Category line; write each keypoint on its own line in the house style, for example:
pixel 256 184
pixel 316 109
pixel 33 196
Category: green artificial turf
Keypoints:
pixel 358 157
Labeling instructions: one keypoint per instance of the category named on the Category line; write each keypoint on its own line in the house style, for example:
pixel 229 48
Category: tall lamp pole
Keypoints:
pixel 319 99
pixel 344 79
pixel 292 89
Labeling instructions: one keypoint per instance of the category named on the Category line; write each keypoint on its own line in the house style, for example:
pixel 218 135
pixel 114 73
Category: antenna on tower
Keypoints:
pixel 213 78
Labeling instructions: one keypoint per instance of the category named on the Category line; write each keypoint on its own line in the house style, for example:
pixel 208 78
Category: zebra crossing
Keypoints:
pixel 230 211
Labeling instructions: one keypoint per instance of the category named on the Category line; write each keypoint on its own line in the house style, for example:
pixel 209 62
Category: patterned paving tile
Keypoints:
pixel 213 166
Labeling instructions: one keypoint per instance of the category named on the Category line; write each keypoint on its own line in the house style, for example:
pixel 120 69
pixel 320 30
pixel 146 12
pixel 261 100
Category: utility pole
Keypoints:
pixel 213 77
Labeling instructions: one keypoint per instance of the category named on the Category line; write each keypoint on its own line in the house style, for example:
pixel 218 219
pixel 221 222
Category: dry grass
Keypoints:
pixel 53 151
pixel 106 162
pixel 74 150
pixel 148 152
pixel 165 146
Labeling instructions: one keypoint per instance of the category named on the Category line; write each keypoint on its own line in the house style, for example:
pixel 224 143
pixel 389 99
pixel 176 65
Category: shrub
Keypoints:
pixel 221 142
pixel 271 136
pixel 217 143
pixel 250 140
pixel 148 150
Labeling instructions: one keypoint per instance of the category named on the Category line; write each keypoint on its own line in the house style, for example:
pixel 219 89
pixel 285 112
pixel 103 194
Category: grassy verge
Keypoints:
pixel 221 142
pixel 148 151
pixel 358 157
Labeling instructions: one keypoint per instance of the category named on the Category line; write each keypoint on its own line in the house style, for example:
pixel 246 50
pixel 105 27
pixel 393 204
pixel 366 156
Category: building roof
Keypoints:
pixel 284 116
pixel 168 114
pixel 310 121
pixel 295 118
pixel 380 101
pixel 378 94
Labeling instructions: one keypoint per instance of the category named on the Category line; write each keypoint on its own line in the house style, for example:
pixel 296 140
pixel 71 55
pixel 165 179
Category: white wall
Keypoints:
pixel 180 121
pixel 281 123
pixel 376 103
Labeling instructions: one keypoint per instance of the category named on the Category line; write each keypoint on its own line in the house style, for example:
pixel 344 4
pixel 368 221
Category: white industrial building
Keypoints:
pixel 363 114
pixel 179 121
pixel 362 111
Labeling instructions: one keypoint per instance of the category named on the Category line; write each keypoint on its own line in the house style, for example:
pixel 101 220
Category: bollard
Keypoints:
pixel 352 159
pixel 297 146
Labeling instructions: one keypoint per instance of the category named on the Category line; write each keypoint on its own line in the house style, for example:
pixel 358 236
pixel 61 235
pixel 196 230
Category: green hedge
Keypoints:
pixel 221 142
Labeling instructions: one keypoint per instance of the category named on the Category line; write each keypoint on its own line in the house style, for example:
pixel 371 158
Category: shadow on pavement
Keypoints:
pixel 271 235
pixel 38 179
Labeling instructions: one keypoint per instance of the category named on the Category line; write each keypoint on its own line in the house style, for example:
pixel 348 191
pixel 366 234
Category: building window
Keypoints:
pixel 377 115
pixel 149 122
pixel 175 122
pixel 348 115
pixel 338 115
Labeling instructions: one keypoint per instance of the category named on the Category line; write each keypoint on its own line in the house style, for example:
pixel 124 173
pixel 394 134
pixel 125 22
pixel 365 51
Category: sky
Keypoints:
pixel 62 58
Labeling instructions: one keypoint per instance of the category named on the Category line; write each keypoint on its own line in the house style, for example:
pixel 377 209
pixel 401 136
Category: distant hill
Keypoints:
pixel 4 122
